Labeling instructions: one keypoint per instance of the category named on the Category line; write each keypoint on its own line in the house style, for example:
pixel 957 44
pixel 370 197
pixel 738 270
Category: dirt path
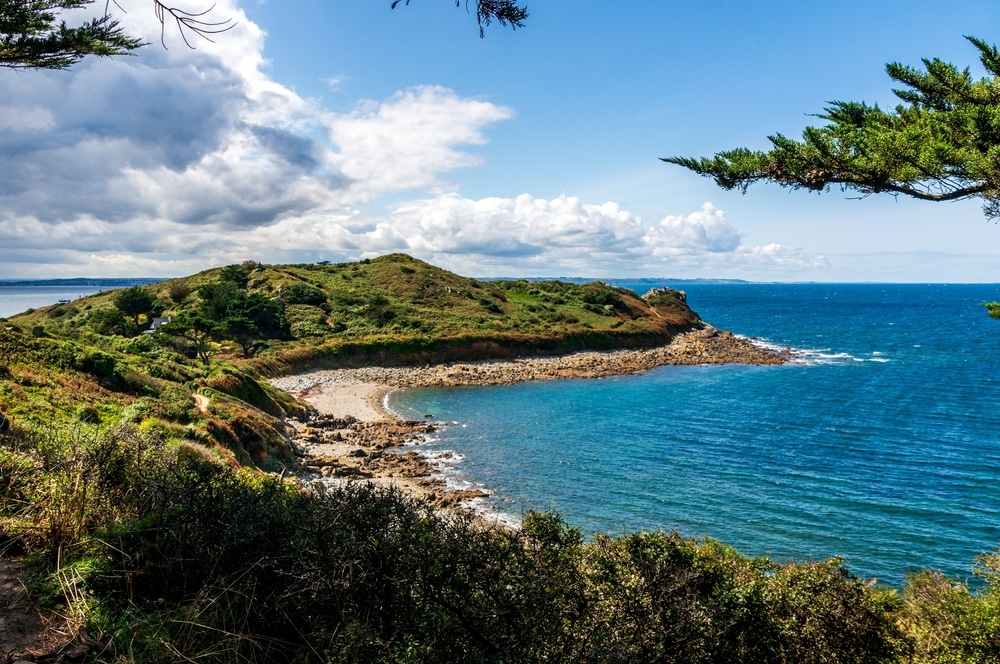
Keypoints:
pixel 24 630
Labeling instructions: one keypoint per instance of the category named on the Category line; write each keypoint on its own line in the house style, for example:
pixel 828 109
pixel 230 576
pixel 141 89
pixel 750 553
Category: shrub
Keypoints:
pixel 303 293
pixel 181 558
pixel 490 305
pixel 179 291
pixel 110 321
pixel 141 345
pixel 948 621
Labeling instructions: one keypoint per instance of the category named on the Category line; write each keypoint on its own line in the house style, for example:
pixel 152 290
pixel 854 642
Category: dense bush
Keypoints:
pixel 952 623
pixel 303 293
pixel 174 556
pixel 111 321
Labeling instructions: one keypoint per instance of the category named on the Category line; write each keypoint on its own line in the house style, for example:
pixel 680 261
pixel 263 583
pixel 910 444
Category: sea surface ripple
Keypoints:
pixel 881 445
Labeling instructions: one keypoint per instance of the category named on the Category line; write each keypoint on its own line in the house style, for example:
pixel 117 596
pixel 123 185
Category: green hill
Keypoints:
pixel 97 360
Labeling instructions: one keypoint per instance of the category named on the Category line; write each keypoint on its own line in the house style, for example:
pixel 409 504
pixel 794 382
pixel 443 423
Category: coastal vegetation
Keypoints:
pixel 134 481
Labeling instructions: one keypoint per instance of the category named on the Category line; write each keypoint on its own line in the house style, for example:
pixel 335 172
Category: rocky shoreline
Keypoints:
pixel 350 436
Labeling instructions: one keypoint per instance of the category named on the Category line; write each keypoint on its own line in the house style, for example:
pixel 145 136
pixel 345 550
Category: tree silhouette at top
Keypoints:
pixel 942 143
pixel 32 36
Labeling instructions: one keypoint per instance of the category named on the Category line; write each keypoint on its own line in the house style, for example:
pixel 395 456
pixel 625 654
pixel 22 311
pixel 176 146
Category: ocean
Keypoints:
pixel 880 445
pixel 18 296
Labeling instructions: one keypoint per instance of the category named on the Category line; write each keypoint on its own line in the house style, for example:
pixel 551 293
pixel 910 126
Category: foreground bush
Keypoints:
pixel 170 556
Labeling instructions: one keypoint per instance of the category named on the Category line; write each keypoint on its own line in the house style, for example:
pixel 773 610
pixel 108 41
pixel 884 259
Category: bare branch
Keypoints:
pixel 189 22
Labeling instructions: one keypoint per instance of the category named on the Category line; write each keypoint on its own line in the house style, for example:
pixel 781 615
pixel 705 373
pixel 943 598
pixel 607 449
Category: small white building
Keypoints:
pixel 155 323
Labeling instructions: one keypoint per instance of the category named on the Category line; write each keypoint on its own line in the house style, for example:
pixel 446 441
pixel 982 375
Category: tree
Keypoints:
pixel 504 12
pixel 252 319
pixel 196 329
pixel 941 144
pixel 247 319
pixel 31 39
pixel 134 302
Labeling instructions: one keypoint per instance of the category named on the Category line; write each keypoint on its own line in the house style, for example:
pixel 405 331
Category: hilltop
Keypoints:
pixel 421 308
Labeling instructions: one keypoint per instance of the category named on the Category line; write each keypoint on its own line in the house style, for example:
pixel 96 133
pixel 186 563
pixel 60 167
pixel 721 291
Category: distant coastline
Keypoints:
pixel 99 282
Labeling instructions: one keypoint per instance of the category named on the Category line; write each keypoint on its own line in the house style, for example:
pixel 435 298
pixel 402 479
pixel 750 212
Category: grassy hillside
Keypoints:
pixel 401 307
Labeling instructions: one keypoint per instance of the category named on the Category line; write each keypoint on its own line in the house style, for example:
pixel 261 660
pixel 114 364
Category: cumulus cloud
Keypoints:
pixel 116 152
pixel 404 143
pixel 530 236
pixel 703 231
pixel 178 160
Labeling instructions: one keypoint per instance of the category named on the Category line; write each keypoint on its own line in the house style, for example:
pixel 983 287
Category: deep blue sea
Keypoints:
pixel 881 445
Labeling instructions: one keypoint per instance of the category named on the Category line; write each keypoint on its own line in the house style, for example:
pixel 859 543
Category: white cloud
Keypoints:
pixel 406 142
pixel 122 153
pixel 529 236
pixel 703 231
pixel 178 160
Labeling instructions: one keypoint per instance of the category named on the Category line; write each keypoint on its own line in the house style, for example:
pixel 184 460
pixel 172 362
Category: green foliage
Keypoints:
pixel 949 622
pixel 30 38
pixel 170 555
pixel 942 143
pixel 69 355
pixel 179 290
pixel 490 305
pixel 110 321
pixel 144 536
pixel 189 333
pixel 238 383
pixel 993 309
pixel 226 311
pixel 504 12
pixel 238 274
pixel 136 301
pixel 303 293
pixel 379 311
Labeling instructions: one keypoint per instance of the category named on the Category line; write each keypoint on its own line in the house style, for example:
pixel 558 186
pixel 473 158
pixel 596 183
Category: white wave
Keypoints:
pixel 818 356
pixel 444 464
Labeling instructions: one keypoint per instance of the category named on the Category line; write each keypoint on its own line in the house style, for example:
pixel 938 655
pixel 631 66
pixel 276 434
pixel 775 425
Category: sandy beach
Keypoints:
pixel 351 436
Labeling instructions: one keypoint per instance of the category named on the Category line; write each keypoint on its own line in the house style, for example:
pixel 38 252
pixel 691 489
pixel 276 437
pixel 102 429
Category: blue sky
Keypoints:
pixel 341 130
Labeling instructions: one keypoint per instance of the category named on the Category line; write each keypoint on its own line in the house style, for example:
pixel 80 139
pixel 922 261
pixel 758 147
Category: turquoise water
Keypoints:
pixel 882 445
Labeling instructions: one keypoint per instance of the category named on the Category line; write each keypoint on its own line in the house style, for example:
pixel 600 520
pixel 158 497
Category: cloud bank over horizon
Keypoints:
pixel 179 160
